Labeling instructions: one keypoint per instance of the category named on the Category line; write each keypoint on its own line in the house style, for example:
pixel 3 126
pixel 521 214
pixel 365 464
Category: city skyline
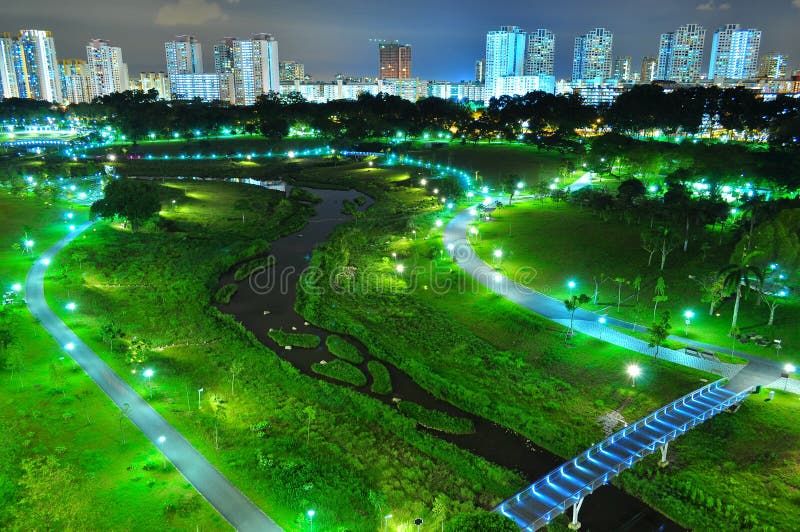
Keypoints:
pixel 448 52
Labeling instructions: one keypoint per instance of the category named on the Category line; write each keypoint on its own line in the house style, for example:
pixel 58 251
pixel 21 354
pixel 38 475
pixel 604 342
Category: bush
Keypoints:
pixel 309 341
pixel 245 270
pixel 436 420
pixel 300 194
pixel 342 371
pixel 381 382
pixel 225 293
pixel 343 349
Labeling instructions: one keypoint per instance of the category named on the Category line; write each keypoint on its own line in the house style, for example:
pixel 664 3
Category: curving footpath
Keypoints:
pixel 759 370
pixel 234 506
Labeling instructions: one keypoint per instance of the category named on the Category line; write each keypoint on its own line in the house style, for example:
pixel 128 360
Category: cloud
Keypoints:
pixel 189 13
pixel 724 6
pixel 796 3
pixel 711 5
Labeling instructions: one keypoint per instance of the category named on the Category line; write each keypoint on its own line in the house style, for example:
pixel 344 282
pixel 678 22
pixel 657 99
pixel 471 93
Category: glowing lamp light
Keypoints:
pixel 520 185
pixel 291 155
pixel 70 346
pixel 498 253
pixel 400 268
pixel 485 190
pixel 46 262
pixel 70 215
pixel 601 320
pixel 162 439
pixel 435 190
pixel 71 227
pixel 473 230
pixel 423 182
pixel 148 373
pixel 16 287
pixel 789 368
pixel 470 194
pixel 634 371
pixel 688 314
pixel 70 306
pixel 571 284
pixel 498 277
pixel 439 223
pixel 451 247
pixel 473 212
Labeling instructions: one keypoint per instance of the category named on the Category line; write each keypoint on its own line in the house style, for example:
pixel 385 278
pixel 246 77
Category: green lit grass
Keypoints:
pixel 341 371
pixel 381 380
pixel 343 349
pixel 308 341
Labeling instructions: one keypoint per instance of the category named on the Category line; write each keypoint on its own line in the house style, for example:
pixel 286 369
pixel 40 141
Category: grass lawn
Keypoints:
pixel 289 441
pixel 49 407
pixel 561 242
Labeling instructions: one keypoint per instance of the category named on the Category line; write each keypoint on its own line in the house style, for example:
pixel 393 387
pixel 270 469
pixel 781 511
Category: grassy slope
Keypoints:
pixel 562 242
pixel 50 407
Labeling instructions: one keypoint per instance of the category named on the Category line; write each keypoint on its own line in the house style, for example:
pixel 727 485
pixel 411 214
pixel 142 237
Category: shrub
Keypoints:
pixel 225 293
pixel 343 349
pixel 434 419
pixel 342 371
pixel 381 382
pixel 245 270
pixel 309 341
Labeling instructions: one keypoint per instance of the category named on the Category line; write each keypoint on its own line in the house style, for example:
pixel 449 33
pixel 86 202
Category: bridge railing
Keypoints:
pixel 560 506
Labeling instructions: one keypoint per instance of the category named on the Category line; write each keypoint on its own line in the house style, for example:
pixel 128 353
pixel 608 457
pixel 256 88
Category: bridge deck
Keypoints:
pixel 547 498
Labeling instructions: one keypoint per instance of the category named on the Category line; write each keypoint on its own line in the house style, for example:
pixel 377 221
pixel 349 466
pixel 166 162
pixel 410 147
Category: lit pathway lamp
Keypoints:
pixel 70 306
pixel 400 268
pixel 571 285
pixel 16 287
pixel 452 249
pixel 634 371
pixel 386 522
pixel 149 374
pixel 161 440
pixel 498 254
pixel 439 223
pixel 28 243
pixel 311 514
pixel 688 315
pixel 602 321
pixel 788 369
pixel 199 391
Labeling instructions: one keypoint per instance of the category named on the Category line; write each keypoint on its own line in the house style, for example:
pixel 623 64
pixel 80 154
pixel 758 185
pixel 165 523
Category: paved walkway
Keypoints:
pixel 239 511
pixel 758 371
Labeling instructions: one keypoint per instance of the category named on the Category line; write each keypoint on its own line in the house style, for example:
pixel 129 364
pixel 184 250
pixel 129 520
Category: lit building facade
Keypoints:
pixel 505 55
pixel 680 54
pixel 107 72
pixel 184 55
pixel 773 65
pixel 33 68
pixel 464 91
pixel 622 69
pixel 734 53
pixel 540 53
pixel 394 60
pixel 75 80
pixel 480 70
pixel 292 70
pixel 8 76
pixel 648 69
pixel 253 65
pixel 592 58
pixel 522 85
pixel 158 81
pixel 207 87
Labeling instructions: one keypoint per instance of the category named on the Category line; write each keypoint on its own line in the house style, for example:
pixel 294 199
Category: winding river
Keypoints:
pixel 606 509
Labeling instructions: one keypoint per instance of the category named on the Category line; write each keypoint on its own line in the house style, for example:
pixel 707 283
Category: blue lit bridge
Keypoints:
pixel 567 486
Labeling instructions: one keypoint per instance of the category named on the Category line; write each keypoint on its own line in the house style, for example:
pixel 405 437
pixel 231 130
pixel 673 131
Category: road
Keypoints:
pixel 234 506
pixel 759 370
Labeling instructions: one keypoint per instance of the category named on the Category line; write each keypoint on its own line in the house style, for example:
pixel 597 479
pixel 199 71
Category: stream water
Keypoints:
pixel 606 509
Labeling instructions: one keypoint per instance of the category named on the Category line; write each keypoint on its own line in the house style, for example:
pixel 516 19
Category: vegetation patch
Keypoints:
pixel 309 341
pixel 341 371
pixel 436 420
pixel 246 270
pixel 381 381
pixel 225 293
pixel 343 349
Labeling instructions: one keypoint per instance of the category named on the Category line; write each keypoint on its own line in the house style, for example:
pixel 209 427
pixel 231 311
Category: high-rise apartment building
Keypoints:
pixel 680 54
pixel 292 70
pixel 75 80
pixel 156 80
pixel 394 60
pixel 29 67
pixel 184 55
pixel 252 64
pixel 734 53
pixel 107 72
pixel 648 71
pixel 592 59
pixel 622 69
pixel 540 53
pixel 505 55
pixel 774 65
pixel 480 70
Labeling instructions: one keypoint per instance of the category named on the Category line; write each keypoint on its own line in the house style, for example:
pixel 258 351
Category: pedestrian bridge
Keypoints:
pixel 543 501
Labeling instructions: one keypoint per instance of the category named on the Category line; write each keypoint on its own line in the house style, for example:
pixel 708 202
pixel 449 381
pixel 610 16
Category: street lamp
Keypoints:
pixel 400 268
pixel 423 182
pixel 69 346
pixel 394 256
pixel 571 285
pixel 451 248
pixel 439 223
pixel 149 374
pixel 161 440
pixel 386 522
pixel 688 315
pixel 28 244
pixel 70 306
pixel 414 232
pixel 788 369
pixel 602 321
pixel 498 254
pixel 199 391
pixel 311 514
pixel 16 287
pixel 634 371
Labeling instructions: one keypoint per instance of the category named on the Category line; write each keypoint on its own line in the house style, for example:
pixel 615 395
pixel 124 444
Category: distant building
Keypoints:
pixel 75 80
pixel 107 73
pixel 505 55
pixel 680 54
pixel 774 65
pixel 648 72
pixel 480 70
pixel 540 53
pixel 734 53
pixel 184 55
pixel 592 58
pixel 158 81
pixel 463 91
pixel 622 69
pixel 29 67
pixel 593 94
pixel 522 85
pixel 8 76
pixel 394 60
pixel 292 70
pixel 207 87
pixel 253 65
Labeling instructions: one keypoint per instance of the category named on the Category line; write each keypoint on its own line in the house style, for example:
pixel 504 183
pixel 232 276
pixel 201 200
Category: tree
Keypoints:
pixel 630 191
pixel 138 352
pixel 659 297
pixel 739 274
pixel 237 366
pixel 510 185
pixel 108 332
pixel 132 199
pixel 712 290
pixel 620 281
pixel 659 332
pixel 667 245
pixel 773 302
pixel 573 304
pixel 483 521
pixel 650 242
pixel 439 511
pixel 311 415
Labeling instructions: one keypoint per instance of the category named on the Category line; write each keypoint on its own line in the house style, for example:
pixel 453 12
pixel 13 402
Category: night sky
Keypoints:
pixel 333 36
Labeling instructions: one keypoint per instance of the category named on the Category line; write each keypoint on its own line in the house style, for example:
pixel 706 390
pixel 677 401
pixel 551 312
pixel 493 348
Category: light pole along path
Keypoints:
pixel 455 236
pixel 231 503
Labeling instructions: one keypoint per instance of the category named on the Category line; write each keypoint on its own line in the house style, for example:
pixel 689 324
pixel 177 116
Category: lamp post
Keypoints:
pixel 788 369
pixel 161 440
pixel 400 268
pixel 70 306
pixel 418 522
pixel 571 285
pixel 634 371
pixel 498 254
pixel 311 514
pixel 602 321
pixel 386 522
pixel 688 315
pixel 452 248
pixel 199 391
pixel 149 374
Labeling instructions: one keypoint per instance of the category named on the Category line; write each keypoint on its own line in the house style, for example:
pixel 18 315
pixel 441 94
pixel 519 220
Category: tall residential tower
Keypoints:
pixel 394 60
pixel 734 53
pixel 184 55
pixel 592 59
pixel 680 54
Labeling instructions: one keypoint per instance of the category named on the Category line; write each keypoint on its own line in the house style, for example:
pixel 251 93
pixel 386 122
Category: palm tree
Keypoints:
pixel 734 276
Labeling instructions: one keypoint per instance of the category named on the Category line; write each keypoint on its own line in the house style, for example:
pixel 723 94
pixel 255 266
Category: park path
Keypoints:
pixel 758 371
pixel 232 504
